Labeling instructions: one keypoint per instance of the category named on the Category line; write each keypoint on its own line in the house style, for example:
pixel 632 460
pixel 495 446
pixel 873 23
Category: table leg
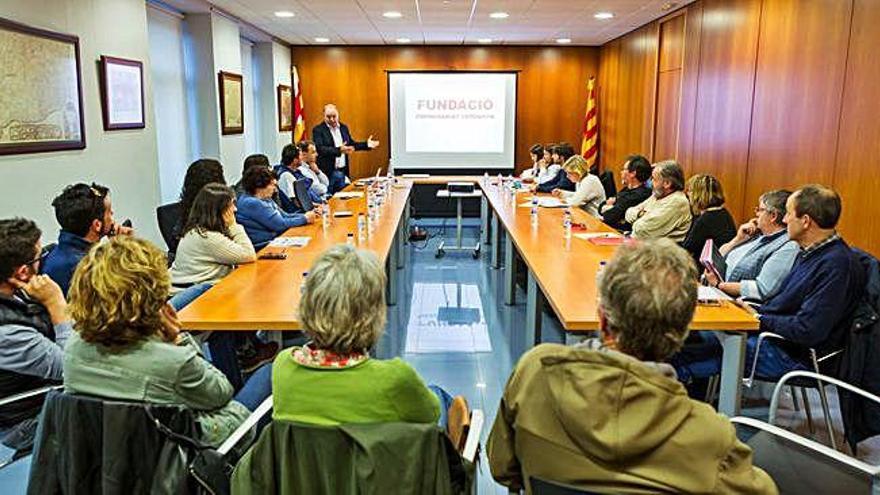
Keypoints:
pixel 276 336
pixel 732 364
pixel 484 220
pixel 402 236
pixel 534 311
pixel 458 223
pixel 391 271
pixel 509 272
pixel 496 242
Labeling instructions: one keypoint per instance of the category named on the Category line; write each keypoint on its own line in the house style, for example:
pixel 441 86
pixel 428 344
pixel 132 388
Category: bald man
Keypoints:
pixel 334 144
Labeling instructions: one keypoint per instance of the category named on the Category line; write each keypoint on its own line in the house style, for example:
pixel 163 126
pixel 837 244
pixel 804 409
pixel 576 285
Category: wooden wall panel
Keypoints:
pixel 690 75
pixel 723 114
pixel 551 93
pixel 856 177
pixel 669 75
pixel 610 152
pixel 798 86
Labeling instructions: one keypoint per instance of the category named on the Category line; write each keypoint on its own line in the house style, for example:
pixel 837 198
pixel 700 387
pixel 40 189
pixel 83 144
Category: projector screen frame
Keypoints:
pixel 458 171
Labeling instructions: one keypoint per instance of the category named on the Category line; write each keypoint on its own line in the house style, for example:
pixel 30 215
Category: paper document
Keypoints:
pixel 545 203
pixel 597 235
pixel 706 293
pixel 290 242
pixel 349 194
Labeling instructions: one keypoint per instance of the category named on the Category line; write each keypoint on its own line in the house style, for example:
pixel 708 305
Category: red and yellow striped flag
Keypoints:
pixel 590 141
pixel 299 116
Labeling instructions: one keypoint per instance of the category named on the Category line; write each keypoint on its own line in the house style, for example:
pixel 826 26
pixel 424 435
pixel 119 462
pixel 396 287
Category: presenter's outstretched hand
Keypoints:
pixel 372 143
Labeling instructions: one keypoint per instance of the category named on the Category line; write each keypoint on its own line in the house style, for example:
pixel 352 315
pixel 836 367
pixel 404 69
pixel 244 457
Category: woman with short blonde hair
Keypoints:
pixel 589 193
pixel 333 379
pixel 128 345
pixel 711 219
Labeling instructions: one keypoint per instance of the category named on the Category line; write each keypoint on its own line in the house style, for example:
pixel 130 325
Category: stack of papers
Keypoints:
pixel 349 194
pixel 545 202
pixel 284 242
pixel 706 293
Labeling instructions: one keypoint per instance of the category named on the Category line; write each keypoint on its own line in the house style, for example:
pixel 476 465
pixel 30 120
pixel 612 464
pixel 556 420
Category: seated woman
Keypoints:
pixel 536 153
pixel 711 218
pixel 199 173
pixel 128 346
pixel 761 255
pixel 589 193
pixel 260 216
pixel 333 380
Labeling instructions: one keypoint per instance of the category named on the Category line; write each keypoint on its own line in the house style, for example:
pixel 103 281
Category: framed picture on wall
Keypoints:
pixel 122 93
pixel 285 108
pixel 231 103
pixel 41 101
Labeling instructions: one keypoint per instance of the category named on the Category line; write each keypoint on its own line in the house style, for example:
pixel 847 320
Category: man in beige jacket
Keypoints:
pixel 610 416
pixel 667 213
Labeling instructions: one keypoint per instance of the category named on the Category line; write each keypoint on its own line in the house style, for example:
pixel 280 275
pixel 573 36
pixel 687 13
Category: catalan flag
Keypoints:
pixel 299 116
pixel 590 140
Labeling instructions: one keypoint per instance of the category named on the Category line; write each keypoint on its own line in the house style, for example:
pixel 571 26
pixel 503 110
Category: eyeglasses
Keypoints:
pixel 759 209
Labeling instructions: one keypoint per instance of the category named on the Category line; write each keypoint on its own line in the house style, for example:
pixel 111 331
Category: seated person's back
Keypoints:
pixel 333 379
pixel 711 219
pixel 611 417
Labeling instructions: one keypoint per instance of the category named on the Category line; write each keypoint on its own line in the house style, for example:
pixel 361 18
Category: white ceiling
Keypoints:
pixel 360 22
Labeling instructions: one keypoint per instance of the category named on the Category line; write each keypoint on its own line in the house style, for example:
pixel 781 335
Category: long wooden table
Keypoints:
pixel 265 295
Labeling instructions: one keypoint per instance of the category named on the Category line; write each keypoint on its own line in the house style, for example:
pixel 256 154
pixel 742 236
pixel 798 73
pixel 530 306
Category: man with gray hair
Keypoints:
pixel 610 416
pixel 667 213
pixel 334 143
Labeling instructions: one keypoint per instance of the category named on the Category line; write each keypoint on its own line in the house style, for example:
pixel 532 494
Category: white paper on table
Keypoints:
pixel 706 293
pixel 290 242
pixel 349 194
pixel 597 235
pixel 545 203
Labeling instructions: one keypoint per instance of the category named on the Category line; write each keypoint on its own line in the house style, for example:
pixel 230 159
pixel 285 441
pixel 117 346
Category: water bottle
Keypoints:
pixel 349 239
pixel 600 271
pixel 302 285
pixel 500 180
pixel 534 211
pixel 362 228
pixel 486 178
pixel 566 222
pixel 325 216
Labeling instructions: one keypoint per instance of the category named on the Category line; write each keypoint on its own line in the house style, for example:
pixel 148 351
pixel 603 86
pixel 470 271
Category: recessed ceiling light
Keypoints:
pixel 603 15
pixel 499 15
pixel 668 6
pixel 563 41
pixel 392 14
pixel 403 40
pixel 484 40
pixel 284 13
pixel 322 40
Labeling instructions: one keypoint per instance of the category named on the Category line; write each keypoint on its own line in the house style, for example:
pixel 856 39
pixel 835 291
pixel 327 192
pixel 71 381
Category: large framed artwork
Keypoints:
pixel 122 93
pixel 285 108
pixel 231 103
pixel 41 101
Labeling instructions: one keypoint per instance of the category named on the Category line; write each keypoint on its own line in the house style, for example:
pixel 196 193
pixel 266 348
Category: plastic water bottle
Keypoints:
pixel 486 178
pixel 325 216
pixel 349 239
pixel 600 271
pixel 500 180
pixel 362 228
pixel 566 222
pixel 302 285
pixel 534 211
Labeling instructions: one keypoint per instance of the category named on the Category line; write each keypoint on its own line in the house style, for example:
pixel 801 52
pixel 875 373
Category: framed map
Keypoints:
pixel 122 93
pixel 231 103
pixel 41 102
pixel 285 108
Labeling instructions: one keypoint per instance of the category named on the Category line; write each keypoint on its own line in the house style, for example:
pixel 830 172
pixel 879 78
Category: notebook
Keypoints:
pixel 713 261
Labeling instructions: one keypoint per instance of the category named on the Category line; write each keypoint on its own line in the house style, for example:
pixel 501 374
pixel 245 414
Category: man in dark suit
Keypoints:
pixel 334 143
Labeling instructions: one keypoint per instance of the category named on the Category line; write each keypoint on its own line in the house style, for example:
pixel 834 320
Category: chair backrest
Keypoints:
pixel 168 217
pixel 301 190
pixel 607 180
pixel 800 465
pixel 544 487
pixel 103 446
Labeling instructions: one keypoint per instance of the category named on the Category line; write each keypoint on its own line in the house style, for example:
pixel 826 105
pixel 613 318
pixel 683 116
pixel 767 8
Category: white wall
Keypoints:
pixel 274 66
pixel 252 128
pixel 169 100
pixel 126 160
pixel 227 57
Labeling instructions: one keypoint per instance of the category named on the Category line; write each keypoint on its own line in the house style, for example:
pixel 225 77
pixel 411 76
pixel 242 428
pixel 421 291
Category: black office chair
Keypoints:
pixel 607 180
pixel 301 191
pixel 168 217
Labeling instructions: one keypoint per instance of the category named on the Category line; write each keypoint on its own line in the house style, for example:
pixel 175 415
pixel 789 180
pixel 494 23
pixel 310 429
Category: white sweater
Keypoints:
pixel 210 256
pixel 589 194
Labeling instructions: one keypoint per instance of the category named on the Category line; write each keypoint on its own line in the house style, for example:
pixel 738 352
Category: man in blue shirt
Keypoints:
pixel 85 214
pixel 811 308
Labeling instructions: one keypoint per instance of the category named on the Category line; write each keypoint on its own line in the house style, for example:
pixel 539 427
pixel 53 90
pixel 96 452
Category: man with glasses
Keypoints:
pixel 85 214
pixel 34 327
pixel 634 176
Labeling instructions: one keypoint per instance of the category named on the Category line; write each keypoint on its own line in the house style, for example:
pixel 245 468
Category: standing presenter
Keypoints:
pixel 334 143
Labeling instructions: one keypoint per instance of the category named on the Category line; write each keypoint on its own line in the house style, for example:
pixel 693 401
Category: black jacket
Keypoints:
pixel 87 445
pixel 626 199
pixel 327 149
pixel 860 363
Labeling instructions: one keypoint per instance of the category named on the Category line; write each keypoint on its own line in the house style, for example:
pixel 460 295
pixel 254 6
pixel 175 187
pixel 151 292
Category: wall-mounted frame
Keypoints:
pixel 41 101
pixel 122 93
pixel 285 108
pixel 231 91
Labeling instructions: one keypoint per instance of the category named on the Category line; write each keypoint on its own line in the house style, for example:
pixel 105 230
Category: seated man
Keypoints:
pixel 667 213
pixel 262 218
pixel 309 169
pixel 34 327
pixel 85 214
pixel 811 307
pixel 559 154
pixel 610 416
pixel 635 173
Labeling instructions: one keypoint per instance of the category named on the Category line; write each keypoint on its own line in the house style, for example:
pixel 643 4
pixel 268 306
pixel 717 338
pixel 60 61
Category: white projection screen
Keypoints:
pixel 452 120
